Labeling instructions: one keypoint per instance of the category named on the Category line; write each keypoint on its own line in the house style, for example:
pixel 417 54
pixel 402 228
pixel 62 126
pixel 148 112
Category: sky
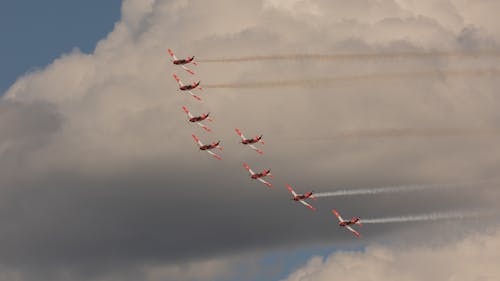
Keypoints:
pixel 34 33
pixel 101 180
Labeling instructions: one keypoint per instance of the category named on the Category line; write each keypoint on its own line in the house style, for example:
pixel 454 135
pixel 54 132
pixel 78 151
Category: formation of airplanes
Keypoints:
pixel 250 142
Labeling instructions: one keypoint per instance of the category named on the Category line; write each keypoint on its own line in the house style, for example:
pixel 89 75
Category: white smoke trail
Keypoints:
pixel 415 132
pixel 427 217
pixel 330 81
pixel 387 189
pixel 360 56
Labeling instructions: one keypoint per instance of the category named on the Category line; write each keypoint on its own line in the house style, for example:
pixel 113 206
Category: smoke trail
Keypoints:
pixel 361 56
pixel 427 217
pixel 387 189
pixel 329 81
pixel 411 132
pixel 400 188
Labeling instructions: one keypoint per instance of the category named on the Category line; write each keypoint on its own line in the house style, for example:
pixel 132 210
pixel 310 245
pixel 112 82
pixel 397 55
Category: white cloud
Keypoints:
pixel 474 258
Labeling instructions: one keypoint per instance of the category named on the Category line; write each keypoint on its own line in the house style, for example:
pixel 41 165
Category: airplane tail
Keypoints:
pixel 218 145
pixel 355 220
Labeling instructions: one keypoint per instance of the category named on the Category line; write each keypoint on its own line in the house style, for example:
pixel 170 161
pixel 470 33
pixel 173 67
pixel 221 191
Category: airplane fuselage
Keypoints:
pixel 259 175
pixel 183 61
pixel 198 118
pixel 350 222
pixel 209 146
pixel 189 87
pixel 302 197
pixel 248 141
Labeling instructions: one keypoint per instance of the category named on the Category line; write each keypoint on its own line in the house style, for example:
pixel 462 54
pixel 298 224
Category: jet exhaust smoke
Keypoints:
pixel 365 56
pixel 388 189
pixel 400 188
pixel 427 217
pixel 405 133
pixel 329 81
pixel 413 132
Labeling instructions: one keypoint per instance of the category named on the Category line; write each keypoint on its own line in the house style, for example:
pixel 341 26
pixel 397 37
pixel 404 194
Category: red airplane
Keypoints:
pixel 250 142
pixel 347 223
pixel 208 147
pixel 259 176
pixel 182 62
pixel 198 119
pixel 300 198
pixel 188 88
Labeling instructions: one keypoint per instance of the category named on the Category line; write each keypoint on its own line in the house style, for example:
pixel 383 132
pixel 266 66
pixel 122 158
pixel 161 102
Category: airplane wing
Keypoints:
pixel 307 205
pixel 172 54
pixel 187 112
pixel 265 182
pixel 178 80
pixel 214 154
pixel 187 69
pixel 352 230
pixel 248 169
pixel 256 149
pixel 240 134
pixel 338 215
pixel 194 96
pixel 291 190
pixel 204 127
pixel 197 140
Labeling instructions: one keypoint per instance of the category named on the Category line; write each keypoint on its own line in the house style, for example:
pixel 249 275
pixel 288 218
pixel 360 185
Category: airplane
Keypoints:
pixel 300 198
pixel 347 223
pixel 182 62
pixel 208 147
pixel 198 119
pixel 250 142
pixel 188 87
pixel 259 176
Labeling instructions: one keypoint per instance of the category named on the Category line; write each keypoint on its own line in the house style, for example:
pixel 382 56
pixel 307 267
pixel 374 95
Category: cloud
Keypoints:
pixel 473 258
pixel 100 176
